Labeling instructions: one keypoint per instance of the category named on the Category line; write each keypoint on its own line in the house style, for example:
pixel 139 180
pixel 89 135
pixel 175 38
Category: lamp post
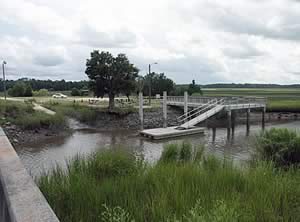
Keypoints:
pixel 4 81
pixel 150 81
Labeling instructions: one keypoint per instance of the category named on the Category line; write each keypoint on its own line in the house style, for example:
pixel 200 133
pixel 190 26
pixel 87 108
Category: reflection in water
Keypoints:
pixel 44 156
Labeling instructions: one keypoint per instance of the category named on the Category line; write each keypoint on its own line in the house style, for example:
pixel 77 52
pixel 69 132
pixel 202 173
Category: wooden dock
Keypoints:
pixel 169 132
pixel 202 108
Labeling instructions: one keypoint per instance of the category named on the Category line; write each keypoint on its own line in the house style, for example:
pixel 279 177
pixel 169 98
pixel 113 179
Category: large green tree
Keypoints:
pixel 158 83
pixel 110 75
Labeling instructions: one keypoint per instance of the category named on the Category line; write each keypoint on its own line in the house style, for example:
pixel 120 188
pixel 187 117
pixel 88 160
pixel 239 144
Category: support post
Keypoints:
pixel 141 111
pixel 248 120
pixel 185 103
pixel 228 123
pixel 263 118
pixel 165 109
pixel 214 130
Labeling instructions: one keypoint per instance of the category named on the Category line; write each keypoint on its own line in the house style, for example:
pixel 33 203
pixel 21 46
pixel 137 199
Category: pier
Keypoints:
pixel 198 109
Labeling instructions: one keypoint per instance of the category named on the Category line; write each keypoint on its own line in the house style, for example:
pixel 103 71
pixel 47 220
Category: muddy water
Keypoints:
pixel 45 155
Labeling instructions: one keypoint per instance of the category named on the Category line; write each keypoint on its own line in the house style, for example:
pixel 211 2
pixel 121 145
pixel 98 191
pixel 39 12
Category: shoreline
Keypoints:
pixel 152 119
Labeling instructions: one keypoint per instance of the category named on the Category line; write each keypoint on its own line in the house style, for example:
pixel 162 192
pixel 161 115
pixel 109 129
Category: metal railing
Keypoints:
pixel 200 110
pixel 227 100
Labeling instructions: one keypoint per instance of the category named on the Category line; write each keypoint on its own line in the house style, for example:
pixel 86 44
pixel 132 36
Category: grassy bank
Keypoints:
pixel 183 186
pixel 85 113
pixel 279 99
pixel 24 116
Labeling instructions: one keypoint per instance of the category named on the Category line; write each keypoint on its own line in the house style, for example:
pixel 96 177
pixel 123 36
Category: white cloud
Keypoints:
pixel 206 40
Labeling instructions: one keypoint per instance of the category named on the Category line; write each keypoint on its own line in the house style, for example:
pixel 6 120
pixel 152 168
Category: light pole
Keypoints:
pixel 150 81
pixel 4 81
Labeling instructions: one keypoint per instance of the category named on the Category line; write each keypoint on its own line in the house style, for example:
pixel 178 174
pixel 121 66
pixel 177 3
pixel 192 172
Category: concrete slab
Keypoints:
pixel 169 132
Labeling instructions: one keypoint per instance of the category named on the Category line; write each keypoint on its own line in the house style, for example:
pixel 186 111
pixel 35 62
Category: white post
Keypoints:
pixel 165 109
pixel 141 112
pixel 185 103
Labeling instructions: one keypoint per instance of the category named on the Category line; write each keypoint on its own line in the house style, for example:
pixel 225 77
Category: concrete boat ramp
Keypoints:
pixel 170 132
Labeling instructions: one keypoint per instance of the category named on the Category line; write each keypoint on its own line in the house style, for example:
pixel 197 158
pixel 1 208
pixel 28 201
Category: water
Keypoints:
pixel 45 155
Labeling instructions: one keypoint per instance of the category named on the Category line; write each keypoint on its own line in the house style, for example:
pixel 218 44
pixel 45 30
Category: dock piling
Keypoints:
pixel 165 109
pixel 185 103
pixel 141 111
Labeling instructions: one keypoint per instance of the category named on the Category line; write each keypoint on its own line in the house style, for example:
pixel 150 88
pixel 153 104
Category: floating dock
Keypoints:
pixel 169 132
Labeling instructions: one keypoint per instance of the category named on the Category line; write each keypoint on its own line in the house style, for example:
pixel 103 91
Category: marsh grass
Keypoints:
pixel 183 186
pixel 84 113
pixel 23 115
pixel 281 146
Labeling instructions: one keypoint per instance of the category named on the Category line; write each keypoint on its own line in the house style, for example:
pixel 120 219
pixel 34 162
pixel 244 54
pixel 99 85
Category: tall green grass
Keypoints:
pixel 23 115
pixel 87 114
pixel 184 185
pixel 281 146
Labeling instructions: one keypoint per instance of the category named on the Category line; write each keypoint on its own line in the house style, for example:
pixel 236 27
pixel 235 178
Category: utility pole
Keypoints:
pixel 4 81
pixel 150 82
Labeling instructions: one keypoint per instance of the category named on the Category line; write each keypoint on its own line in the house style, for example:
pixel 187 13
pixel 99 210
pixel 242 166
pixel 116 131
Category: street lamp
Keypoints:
pixel 4 81
pixel 150 81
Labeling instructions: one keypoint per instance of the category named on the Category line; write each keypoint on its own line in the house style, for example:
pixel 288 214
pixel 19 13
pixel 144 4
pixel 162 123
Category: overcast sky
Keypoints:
pixel 255 41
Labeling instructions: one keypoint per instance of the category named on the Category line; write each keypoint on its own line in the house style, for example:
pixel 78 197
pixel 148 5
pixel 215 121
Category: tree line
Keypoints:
pixel 51 85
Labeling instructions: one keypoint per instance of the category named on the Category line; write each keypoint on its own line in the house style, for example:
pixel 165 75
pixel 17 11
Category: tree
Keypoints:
pixel 194 88
pixel 28 90
pixel 110 75
pixel 75 92
pixel 159 83
pixel 17 90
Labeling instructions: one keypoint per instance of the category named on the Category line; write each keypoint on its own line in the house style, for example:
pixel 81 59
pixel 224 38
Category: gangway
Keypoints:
pixel 201 113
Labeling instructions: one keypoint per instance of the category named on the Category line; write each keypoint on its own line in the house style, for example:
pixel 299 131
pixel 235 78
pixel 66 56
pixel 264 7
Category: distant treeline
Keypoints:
pixel 51 85
pixel 248 85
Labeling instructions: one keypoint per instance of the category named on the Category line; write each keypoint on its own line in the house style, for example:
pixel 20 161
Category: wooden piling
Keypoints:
pixel 141 111
pixel 165 109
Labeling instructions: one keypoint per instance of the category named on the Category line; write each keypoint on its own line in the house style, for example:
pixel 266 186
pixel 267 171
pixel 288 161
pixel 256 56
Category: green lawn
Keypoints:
pixel 279 99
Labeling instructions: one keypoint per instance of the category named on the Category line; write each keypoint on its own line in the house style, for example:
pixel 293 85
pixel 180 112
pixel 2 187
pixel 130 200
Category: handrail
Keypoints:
pixel 199 107
pixel 205 109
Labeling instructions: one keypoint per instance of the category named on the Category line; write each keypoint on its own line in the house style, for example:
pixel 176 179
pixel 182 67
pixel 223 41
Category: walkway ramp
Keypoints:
pixel 201 113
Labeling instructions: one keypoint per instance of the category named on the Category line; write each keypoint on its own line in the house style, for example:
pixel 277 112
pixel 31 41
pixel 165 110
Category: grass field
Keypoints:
pixel 279 99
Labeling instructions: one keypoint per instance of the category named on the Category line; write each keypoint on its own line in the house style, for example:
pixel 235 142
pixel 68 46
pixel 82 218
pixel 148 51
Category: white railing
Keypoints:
pixel 176 100
pixel 200 110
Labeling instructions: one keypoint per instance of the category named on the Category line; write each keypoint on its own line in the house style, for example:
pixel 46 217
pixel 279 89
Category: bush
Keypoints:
pixel 17 90
pixel 282 146
pixel 28 91
pixel 75 92
pixel 41 92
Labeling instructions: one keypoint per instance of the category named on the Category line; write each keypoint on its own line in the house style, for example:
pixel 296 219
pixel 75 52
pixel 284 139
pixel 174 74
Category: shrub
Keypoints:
pixel 41 92
pixel 75 92
pixel 28 91
pixel 282 146
pixel 17 90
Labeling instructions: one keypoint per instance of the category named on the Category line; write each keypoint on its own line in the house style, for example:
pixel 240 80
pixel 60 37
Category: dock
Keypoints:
pixel 170 132
pixel 199 109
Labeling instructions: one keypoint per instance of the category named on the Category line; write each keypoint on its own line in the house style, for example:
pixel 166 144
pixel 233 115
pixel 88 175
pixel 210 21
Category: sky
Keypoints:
pixel 239 41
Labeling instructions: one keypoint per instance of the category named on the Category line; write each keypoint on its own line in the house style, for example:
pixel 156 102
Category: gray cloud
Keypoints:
pixel 209 41
pixel 48 60
pixel 118 39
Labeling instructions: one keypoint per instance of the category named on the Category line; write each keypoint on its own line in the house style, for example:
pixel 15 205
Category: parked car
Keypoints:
pixel 59 96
